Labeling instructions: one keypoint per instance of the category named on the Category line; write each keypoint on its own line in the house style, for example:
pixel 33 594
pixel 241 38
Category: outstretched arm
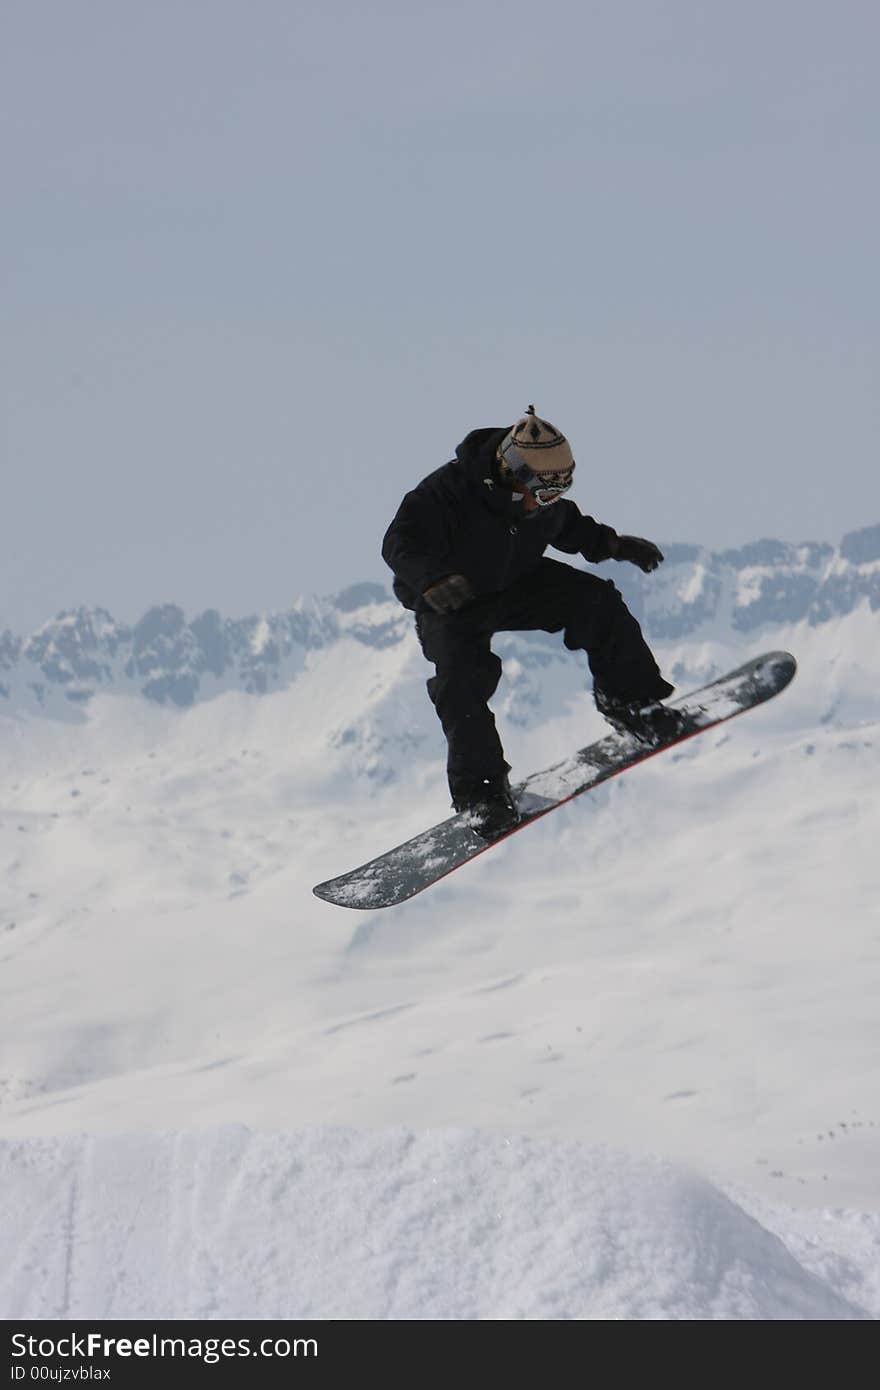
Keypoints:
pixel 582 535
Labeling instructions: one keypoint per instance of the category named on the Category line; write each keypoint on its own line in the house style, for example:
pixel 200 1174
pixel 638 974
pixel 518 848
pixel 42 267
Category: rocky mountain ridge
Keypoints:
pixel 172 660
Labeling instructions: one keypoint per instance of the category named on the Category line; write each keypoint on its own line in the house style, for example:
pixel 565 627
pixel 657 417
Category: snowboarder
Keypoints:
pixel 467 551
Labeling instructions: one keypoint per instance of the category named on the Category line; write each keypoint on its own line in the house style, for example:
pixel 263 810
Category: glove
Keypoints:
pixel 645 554
pixel 449 594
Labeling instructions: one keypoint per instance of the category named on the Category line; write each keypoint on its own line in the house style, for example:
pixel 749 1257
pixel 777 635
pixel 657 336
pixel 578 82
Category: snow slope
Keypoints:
pixel 683 965
pixel 396 1224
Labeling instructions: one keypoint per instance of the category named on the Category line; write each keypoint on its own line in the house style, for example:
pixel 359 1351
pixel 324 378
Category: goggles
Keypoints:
pixel 546 488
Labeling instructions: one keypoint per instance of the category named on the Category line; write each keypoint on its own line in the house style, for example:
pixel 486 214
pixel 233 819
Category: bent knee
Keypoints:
pixel 468 675
pixel 597 595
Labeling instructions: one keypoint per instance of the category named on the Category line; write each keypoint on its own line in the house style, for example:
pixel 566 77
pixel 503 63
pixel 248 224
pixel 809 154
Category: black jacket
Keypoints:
pixel 460 520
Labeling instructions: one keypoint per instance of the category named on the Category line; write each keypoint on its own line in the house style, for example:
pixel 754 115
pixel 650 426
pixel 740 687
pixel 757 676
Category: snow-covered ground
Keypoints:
pixel 341 1223
pixel 622 1066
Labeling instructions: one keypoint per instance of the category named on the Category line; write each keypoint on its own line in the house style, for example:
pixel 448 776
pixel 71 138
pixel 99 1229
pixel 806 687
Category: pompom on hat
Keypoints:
pixel 536 443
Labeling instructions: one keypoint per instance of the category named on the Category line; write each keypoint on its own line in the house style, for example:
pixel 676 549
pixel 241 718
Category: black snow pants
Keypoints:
pixel 554 597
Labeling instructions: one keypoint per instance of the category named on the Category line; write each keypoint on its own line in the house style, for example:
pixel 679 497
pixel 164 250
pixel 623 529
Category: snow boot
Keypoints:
pixel 488 803
pixel 649 721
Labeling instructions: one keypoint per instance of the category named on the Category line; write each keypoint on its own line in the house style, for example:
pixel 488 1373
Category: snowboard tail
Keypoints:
pixel 409 868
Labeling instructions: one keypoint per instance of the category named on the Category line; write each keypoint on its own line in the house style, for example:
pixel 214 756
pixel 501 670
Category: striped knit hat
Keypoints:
pixel 537 443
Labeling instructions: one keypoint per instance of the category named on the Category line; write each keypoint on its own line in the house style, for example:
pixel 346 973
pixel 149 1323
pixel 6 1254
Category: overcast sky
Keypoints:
pixel 265 263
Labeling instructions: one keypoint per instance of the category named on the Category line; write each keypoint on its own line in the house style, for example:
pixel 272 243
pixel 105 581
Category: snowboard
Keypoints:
pixel 402 872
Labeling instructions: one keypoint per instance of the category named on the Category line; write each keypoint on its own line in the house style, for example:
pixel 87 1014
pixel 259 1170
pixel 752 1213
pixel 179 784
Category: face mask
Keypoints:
pixel 549 487
pixel 546 488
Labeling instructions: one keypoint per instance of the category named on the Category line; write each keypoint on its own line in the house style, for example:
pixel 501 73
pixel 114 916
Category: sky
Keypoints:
pixel 264 265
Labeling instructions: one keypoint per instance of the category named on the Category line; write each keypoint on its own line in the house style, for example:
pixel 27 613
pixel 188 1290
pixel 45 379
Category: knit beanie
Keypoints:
pixel 538 444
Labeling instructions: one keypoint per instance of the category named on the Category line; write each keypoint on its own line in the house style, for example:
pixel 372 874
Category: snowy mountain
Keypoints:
pixel 171 660
pixel 683 966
